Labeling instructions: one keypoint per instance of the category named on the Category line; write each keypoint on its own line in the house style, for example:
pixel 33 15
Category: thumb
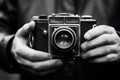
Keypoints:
pixel 26 29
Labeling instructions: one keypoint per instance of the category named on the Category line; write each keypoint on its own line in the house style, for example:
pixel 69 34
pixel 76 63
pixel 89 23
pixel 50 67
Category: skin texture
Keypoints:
pixel 36 62
pixel 102 45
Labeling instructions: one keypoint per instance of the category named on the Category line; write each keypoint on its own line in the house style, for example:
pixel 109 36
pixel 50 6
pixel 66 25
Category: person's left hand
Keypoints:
pixel 102 45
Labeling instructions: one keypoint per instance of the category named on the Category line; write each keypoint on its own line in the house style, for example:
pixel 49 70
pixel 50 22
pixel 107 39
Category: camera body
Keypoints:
pixel 61 34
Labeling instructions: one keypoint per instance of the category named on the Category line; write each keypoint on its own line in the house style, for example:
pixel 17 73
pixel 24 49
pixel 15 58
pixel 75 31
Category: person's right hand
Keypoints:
pixel 34 61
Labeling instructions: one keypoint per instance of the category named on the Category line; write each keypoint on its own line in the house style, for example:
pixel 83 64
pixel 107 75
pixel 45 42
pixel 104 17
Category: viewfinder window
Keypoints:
pixel 56 20
pixel 72 20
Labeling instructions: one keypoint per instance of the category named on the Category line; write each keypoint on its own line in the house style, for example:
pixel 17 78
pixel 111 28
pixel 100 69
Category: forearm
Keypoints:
pixel 4 62
pixel 8 23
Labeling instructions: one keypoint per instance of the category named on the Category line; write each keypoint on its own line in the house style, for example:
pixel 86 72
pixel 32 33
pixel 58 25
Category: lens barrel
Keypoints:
pixel 64 38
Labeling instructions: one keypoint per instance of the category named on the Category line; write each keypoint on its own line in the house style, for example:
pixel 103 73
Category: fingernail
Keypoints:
pixel 87 36
pixel 32 23
pixel 59 62
pixel 83 47
pixel 49 56
pixel 84 56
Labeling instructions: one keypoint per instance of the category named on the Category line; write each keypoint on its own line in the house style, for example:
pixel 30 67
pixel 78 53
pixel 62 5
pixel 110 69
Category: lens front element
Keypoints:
pixel 64 38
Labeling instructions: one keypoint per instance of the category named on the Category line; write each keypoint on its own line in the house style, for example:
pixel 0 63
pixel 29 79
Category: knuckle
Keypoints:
pixel 107 49
pixel 111 49
pixel 112 57
pixel 116 38
pixel 112 29
pixel 108 29
pixel 116 48
pixel 109 38
pixel 106 37
pixel 105 29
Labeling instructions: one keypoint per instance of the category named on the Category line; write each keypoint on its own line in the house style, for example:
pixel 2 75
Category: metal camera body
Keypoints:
pixel 61 34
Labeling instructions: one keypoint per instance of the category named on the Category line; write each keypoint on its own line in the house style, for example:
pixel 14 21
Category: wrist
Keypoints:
pixel 11 62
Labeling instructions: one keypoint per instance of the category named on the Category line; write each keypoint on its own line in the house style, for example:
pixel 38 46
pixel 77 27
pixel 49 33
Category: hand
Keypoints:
pixel 34 61
pixel 102 45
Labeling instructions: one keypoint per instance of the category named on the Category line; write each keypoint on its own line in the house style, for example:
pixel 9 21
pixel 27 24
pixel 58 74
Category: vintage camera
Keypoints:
pixel 61 34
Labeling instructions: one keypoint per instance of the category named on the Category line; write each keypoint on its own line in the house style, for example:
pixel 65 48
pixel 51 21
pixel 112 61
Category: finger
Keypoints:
pixel 99 41
pixel 32 54
pixel 42 65
pixel 26 29
pixel 97 31
pixel 100 51
pixel 108 58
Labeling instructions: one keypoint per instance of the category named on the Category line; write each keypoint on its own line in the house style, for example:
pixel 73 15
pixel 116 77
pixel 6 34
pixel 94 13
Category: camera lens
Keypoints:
pixel 64 38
